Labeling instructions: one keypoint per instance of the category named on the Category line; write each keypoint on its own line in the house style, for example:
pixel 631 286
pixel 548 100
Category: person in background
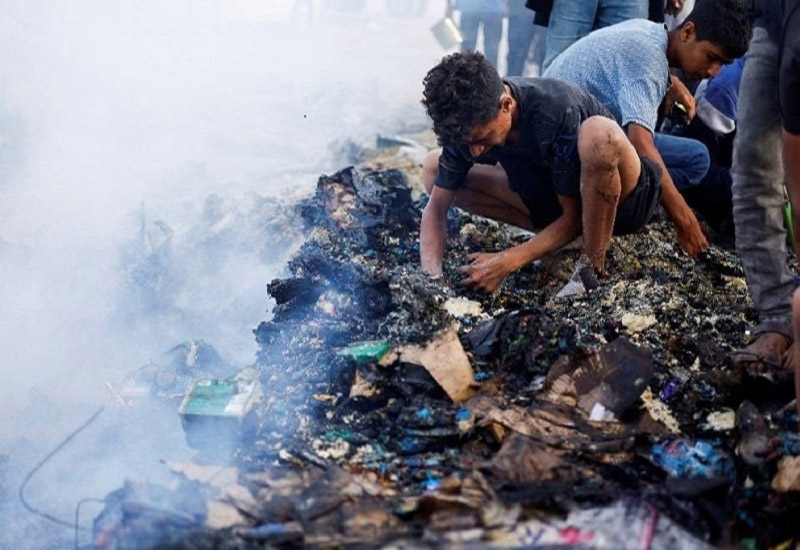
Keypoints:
pixel 634 86
pixel 715 125
pixel 539 153
pixel 523 36
pixel 766 153
pixel 675 10
pixel 716 98
pixel 481 14
pixel 571 20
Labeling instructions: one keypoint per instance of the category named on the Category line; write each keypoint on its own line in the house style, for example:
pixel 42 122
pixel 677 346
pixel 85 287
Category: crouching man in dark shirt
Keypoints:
pixel 541 154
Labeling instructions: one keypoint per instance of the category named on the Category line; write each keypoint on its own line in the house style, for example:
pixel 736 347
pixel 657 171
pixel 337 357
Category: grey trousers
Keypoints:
pixel 758 187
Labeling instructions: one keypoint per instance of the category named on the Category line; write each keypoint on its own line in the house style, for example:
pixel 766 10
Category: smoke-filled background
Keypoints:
pixel 149 155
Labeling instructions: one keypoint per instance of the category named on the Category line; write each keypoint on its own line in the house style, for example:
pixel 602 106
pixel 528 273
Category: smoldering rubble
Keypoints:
pixel 397 411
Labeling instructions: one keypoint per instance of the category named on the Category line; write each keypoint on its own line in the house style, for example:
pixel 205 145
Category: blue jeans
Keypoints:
pixel 492 24
pixel 571 20
pixel 522 36
pixel 758 187
pixel 686 159
pixel 712 196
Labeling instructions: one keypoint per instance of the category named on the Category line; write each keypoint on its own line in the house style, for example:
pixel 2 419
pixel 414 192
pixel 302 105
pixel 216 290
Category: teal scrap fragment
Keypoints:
pixel 366 352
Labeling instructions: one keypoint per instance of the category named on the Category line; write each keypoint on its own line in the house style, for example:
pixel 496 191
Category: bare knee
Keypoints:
pixel 600 144
pixel 429 168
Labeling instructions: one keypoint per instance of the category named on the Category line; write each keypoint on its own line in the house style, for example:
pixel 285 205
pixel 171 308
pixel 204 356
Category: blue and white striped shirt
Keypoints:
pixel 624 66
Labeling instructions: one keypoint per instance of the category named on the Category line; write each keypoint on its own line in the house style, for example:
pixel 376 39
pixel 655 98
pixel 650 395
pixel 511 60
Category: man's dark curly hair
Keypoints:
pixel 724 23
pixel 461 92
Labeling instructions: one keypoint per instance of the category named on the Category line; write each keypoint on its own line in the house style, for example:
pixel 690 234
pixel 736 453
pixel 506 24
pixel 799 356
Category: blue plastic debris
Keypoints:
pixel 422 462
pixel 670 389
pixel 790 444
pixel 463 414
pixel 411 445
pixel 424 413
pixel 481 376
pixel 431 484
pixel 704 390
pixel 688 459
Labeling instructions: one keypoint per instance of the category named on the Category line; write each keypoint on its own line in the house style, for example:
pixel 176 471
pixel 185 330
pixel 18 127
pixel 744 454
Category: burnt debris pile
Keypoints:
pixel 398 411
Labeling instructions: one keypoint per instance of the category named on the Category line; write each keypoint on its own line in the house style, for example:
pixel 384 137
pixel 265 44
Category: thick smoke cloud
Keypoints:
pixel 149 152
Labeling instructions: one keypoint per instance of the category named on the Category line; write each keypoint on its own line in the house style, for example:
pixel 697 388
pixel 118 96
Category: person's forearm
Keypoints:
pixel 671 199
pixel 673 202
pixel 432 239
pixel 690 235
pixel 791 164
pixel 556 235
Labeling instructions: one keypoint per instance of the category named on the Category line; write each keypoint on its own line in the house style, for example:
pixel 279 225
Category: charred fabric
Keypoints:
pixel 400 412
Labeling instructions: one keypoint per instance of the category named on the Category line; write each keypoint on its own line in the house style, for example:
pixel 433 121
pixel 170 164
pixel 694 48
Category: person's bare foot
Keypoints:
pixel 767 352
pixel 583 279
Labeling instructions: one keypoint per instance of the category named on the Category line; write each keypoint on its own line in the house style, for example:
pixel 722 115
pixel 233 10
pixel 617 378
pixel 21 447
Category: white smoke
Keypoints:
pixel 189 125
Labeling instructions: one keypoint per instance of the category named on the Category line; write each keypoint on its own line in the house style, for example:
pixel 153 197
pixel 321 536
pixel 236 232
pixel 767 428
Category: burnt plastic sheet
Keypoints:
pixel 484 338
pixel 522 460
pixel 612 378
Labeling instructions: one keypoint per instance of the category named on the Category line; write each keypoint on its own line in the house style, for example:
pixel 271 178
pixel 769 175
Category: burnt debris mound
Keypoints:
pixel 400 411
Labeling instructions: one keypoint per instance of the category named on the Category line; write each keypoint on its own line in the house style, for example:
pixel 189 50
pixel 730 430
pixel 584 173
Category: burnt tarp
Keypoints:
pixel 404 412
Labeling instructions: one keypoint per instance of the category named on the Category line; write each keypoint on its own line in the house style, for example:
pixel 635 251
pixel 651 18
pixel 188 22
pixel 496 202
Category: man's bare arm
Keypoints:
pixel 433 230
pixel 690 236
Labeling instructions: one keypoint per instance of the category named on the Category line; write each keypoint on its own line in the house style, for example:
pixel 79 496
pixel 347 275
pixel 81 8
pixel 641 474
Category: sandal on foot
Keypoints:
pixel 744 357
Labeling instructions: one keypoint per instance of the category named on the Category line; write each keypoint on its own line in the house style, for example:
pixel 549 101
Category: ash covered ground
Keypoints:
pixel 401 412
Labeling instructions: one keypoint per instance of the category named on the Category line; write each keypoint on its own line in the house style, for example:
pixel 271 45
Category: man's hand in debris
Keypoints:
pixel 487 270
pixel 690 235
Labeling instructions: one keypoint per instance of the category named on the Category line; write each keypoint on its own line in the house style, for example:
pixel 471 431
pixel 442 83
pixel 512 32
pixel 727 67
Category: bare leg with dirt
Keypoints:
pixel 486 192
pixel 609 173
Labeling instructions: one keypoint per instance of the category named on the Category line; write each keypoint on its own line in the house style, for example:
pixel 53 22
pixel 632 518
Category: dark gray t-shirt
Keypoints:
pixel 781 19
pixel 769 15
pixel 790 68
pixel 543 162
